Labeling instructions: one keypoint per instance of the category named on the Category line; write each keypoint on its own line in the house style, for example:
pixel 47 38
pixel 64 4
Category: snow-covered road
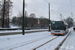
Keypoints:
pixel 53 44
pixel 69 44
pixel 31 41
pixel 21 30
pixel 18 40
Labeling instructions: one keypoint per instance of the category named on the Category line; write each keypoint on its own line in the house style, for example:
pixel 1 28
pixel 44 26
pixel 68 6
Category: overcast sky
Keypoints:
pixel 40 8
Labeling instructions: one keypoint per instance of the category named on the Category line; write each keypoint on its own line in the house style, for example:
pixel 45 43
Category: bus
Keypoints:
pixel 58 28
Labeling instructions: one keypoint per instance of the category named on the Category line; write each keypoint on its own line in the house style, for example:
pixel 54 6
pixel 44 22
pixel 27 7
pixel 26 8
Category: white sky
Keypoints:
pixel 40 8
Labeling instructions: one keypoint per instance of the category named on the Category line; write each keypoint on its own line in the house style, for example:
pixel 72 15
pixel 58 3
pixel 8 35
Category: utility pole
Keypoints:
pixel 23 17
pixel 49 16
pixel 3 13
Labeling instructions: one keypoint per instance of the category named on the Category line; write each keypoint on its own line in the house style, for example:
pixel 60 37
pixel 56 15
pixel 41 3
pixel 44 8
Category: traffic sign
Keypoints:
pixel 38 22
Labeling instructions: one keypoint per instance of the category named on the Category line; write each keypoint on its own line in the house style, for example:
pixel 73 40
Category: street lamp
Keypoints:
pixel 49 17
pixel 49 13
pixel 23 17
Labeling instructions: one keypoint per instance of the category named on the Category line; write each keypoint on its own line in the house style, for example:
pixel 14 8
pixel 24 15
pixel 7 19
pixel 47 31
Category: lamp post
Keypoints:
pixel 23 17
pixel 49 16
pixel 49 13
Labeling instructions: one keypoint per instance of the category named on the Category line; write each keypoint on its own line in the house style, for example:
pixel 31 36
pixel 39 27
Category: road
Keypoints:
pixel 33 41
pixel 13 32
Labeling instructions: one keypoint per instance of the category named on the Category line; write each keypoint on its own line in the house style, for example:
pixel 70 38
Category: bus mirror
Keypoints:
pixel 64 28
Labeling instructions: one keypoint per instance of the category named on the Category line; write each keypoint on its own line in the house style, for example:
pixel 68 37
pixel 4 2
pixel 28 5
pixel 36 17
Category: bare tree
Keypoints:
pixel 70 21
pixel 20 14
pixel 32 15
pixel 5 13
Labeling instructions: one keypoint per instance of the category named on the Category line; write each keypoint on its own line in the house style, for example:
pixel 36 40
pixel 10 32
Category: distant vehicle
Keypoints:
pixel 27 28
pixel 58 28
pixel 24 28
pixel 74 28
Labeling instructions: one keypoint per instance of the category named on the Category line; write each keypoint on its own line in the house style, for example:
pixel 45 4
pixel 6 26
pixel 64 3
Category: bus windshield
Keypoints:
pixel 58 25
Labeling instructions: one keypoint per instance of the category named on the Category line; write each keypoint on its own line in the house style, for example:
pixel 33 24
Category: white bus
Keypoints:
pixel 58 28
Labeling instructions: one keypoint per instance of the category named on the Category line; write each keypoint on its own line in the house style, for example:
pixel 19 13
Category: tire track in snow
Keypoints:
pixel 57 48
pixel 45 43
pixel 32 41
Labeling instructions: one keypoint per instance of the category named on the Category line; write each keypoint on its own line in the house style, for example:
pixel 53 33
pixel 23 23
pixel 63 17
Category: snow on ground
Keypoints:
pixel 14 40
pixel 35 44
pixel 14 26
pixel 69 44
pixel 31 41
pixel 53 44
pixel 21 30
pixel 20 42
pixel 71 29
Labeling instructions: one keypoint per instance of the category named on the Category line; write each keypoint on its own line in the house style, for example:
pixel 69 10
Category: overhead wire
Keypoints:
pixel 51 5
pixel 58 12
pixel 61 4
